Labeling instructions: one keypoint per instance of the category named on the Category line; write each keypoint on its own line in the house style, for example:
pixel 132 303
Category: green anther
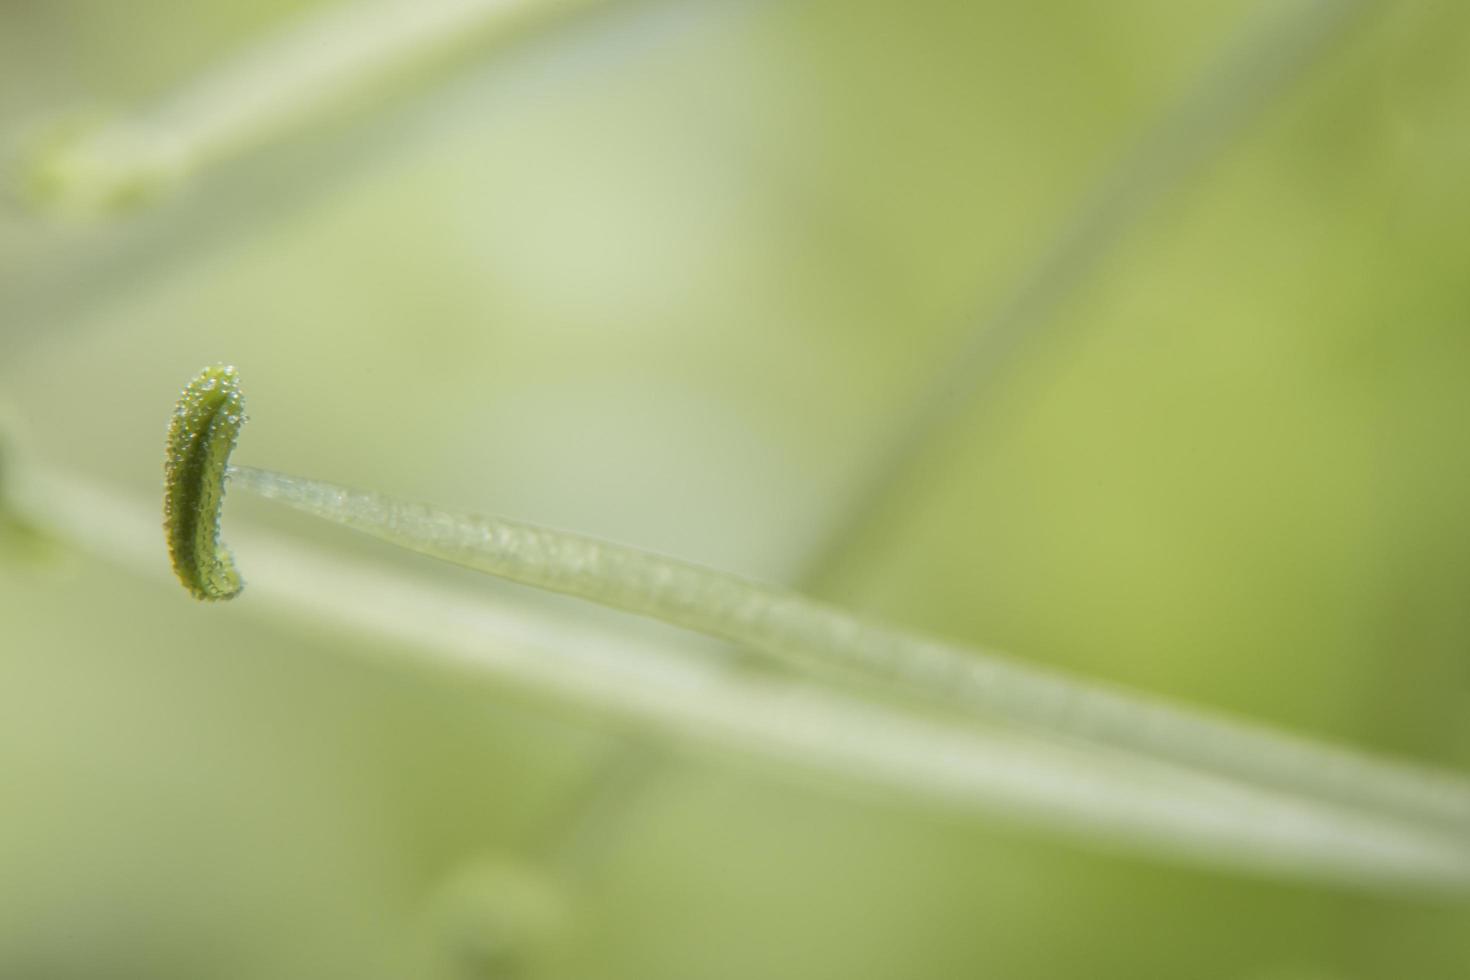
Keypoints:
pixel 205 424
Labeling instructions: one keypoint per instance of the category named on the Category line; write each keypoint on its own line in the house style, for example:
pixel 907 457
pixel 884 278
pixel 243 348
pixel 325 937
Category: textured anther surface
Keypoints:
pixel 202 433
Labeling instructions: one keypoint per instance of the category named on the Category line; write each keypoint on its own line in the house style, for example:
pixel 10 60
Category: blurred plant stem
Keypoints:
pixel 1249 78
pixel 283 82
pixel 72 269
pixel 20 538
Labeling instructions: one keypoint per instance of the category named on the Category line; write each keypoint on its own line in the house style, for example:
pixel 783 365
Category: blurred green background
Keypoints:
pixel 673 274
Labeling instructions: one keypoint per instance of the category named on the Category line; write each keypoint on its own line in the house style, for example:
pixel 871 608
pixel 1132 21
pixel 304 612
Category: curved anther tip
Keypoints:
pixel 205 424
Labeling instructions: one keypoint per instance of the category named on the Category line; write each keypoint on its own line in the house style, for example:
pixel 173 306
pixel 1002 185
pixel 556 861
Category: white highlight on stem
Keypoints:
pixel 809 633
pixel 280 82
pixel 1107 797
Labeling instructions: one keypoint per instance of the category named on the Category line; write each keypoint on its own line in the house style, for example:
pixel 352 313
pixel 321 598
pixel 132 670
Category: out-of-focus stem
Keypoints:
pixel 279 83
pixel 1189 134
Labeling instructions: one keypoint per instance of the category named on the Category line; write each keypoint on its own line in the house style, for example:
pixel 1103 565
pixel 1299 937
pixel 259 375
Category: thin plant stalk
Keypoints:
pixel 1189 135
pixel 1115 799
pixel 812 634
